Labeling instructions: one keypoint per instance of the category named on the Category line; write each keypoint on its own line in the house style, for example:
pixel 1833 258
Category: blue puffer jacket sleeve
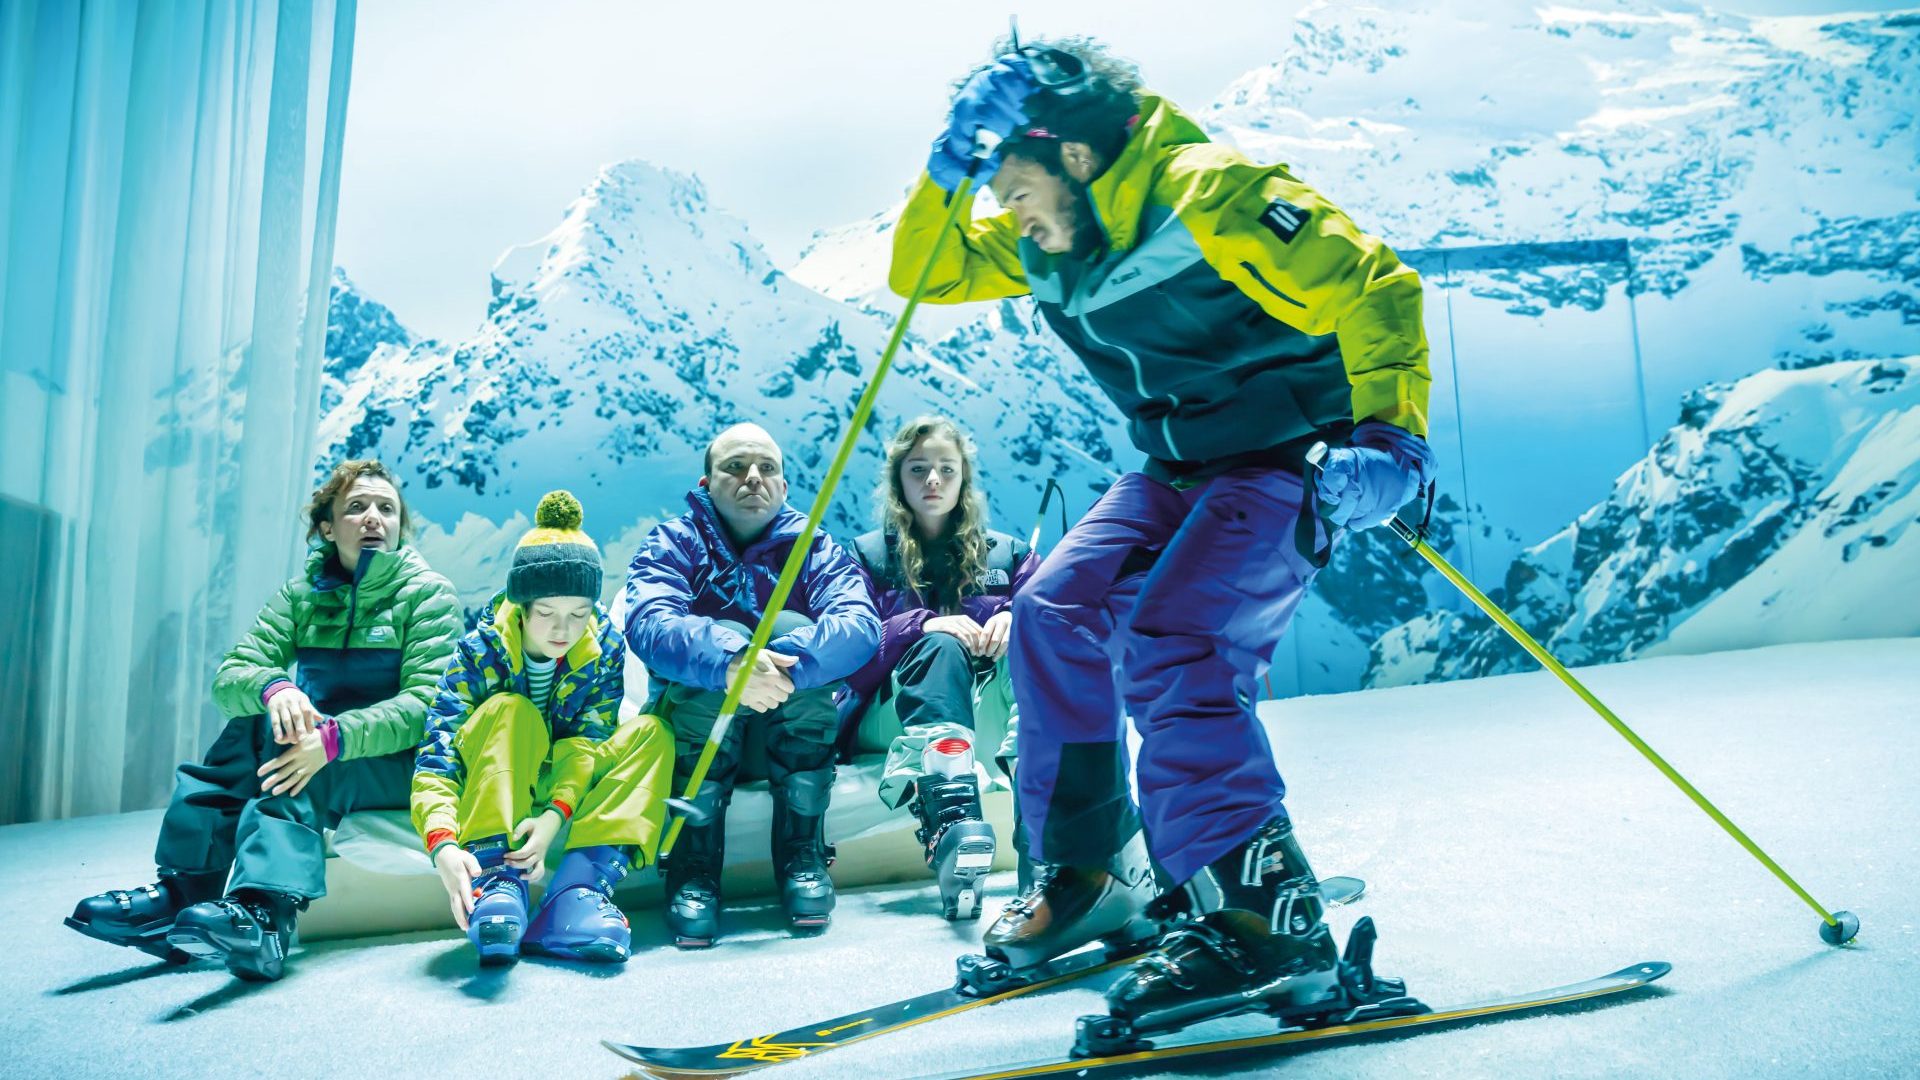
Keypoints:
pixel 846 628
pixel 673 643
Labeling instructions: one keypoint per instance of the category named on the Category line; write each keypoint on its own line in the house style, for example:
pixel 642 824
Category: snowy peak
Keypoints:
pixel 847 261
pixel 627 237
pixel 1675 125
pixel 1781 508
pixel 622 341
pixel 357 327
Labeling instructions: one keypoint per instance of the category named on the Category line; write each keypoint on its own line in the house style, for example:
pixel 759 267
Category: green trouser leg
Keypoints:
pixel 503 745
pixel 219 820
pixel 627 803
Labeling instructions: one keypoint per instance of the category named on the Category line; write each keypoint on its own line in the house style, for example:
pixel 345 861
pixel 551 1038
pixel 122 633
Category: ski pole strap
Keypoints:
pixel 1308 528
pixel 1426 519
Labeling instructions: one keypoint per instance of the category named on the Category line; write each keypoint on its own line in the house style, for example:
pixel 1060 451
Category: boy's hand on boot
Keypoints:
pixel 292 715
pixel 289 773
pixel 767 685
pixel 457 868
pixel 532 837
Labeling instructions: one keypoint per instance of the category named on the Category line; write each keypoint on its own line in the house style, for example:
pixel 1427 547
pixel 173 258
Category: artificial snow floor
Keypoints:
pixel 1512 841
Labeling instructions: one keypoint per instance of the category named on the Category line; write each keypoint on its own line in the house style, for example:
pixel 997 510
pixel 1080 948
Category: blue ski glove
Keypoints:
pixel 990 101
pixel 1365 482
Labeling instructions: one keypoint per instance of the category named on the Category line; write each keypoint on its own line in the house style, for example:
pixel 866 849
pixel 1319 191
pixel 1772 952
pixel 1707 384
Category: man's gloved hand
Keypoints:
pixel 990 101
pixel 1365 482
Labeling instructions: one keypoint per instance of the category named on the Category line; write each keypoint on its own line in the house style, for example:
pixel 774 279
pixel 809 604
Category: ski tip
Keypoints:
pixel 1643 973
pixel 1341 890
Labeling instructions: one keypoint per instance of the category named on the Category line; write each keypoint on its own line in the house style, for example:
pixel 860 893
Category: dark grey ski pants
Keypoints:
pixel 219 820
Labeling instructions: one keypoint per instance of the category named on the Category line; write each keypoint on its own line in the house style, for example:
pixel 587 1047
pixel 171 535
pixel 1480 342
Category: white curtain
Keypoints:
pixel 168 177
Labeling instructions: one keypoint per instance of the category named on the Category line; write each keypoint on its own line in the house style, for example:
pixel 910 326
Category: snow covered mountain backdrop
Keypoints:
pixel 1673 268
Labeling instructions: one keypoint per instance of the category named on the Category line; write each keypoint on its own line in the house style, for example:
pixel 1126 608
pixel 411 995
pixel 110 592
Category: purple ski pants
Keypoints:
pixel 1168 602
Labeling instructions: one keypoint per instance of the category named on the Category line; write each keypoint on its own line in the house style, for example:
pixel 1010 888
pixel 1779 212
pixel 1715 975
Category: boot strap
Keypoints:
pixel 1200 937
pixel 1303 906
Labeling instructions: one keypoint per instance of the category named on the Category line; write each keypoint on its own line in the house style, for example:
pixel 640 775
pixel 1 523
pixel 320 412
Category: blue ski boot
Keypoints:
pixel 499 915
pixel 577 919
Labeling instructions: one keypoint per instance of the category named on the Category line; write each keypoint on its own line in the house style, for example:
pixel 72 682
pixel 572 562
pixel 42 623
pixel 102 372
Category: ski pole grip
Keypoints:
pixel 1316 454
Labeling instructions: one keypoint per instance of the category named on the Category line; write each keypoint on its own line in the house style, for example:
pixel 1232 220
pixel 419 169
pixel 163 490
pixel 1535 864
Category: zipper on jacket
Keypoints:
pixel 353 597
pixel 1251 269
pixel 1139 383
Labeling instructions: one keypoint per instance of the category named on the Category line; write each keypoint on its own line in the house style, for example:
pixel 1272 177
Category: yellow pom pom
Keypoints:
pixel 558 510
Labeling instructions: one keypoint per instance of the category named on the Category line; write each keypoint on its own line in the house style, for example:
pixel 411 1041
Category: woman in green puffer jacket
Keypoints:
pixel 326 700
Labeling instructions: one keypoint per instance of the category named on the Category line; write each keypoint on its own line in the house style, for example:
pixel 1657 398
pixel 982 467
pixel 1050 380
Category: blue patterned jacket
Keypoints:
pixel 588 684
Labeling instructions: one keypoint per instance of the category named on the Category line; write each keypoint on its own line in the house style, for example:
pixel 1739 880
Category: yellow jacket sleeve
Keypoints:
pixel 982 262
pixel 1308 265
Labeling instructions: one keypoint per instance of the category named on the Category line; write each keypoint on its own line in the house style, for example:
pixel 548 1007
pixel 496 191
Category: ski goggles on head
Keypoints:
pixel 1055 70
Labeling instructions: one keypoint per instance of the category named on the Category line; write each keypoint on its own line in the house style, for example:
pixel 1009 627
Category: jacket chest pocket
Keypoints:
pixel 377 628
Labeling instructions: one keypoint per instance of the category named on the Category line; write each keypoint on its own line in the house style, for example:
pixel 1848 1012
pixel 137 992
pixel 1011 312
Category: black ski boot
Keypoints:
pixel 1253 940
pixel 1068 907
pixel 251 930
pixel 800 852
pixel 959 843
pixel 693 872
pixel 140 918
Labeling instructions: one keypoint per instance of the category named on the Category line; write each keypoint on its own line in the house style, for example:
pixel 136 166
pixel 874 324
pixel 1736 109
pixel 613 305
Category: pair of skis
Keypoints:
pixel 972 992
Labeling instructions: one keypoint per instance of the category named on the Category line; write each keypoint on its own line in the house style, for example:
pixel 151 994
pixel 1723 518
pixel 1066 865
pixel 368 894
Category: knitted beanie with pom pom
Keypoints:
pixel 555 558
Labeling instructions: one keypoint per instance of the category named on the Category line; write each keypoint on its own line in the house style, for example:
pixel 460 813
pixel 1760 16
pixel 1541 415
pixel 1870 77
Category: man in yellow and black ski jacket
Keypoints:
pixel 1231 309
pixel 1235 317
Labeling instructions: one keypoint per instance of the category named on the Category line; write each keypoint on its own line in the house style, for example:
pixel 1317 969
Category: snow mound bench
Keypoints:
pixel 380 882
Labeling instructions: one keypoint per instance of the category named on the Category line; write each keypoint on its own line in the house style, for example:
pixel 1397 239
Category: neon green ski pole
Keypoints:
pixel 1836 927
pixel 797 558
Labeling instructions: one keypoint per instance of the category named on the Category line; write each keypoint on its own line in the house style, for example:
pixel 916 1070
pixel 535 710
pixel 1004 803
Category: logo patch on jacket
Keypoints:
pixel 990 578
pixel 1283 219
pixel 379 633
